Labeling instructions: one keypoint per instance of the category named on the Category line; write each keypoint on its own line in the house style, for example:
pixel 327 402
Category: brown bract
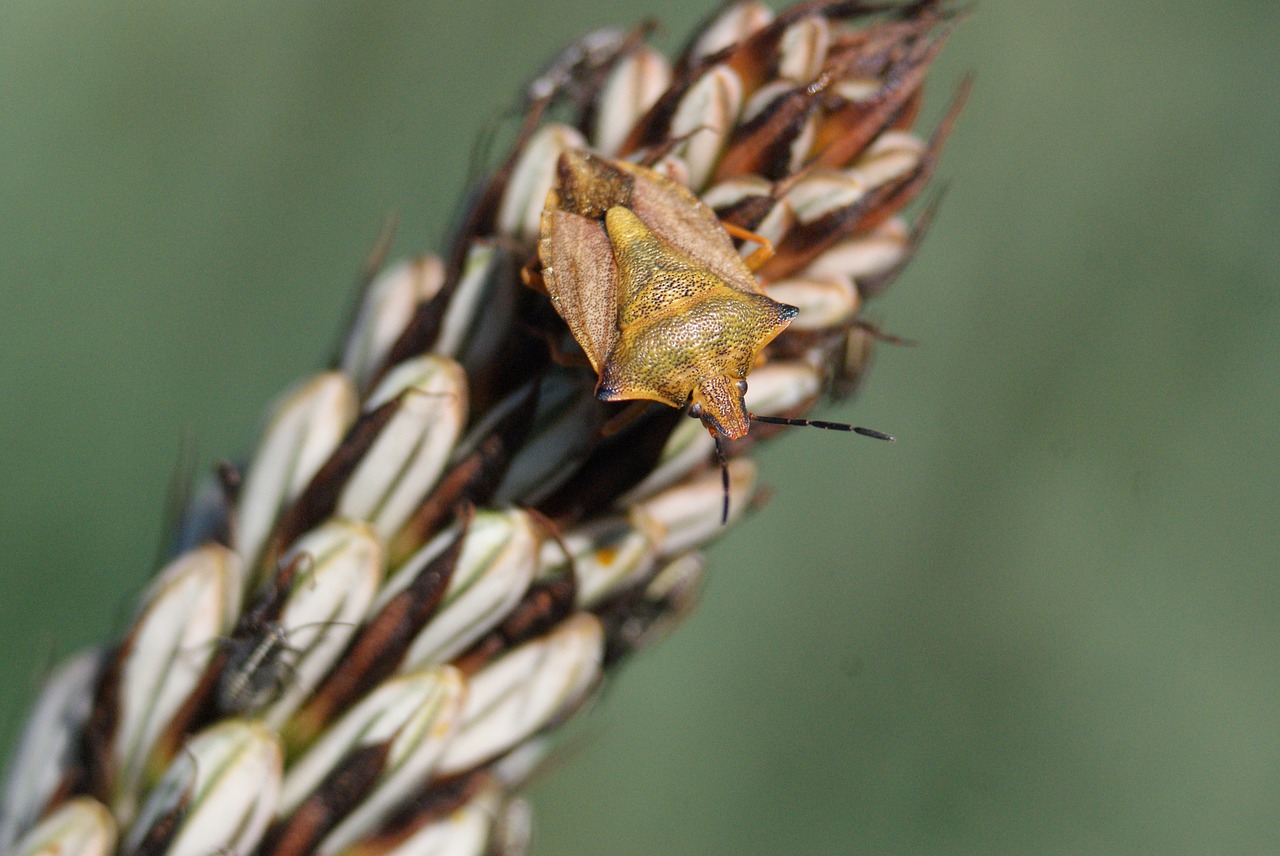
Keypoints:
pixel 653 290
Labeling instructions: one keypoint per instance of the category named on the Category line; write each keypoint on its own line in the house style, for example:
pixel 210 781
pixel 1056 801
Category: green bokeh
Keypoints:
pixel 1045 621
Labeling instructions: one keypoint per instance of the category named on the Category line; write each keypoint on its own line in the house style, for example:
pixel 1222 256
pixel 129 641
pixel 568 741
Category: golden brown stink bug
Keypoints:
pixel 653 290
pixel 656 294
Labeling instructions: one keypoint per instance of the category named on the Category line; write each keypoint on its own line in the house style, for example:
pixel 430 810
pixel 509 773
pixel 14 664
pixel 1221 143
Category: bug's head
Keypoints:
pixel 717 401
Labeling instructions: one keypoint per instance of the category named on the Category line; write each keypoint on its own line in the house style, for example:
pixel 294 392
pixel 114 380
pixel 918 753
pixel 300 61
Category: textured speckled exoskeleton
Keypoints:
pixel 653 290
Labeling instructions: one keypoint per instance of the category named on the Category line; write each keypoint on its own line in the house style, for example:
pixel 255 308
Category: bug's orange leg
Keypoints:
pixel 531 275
pixel 625 418
pixel 762 253
pixel 559 356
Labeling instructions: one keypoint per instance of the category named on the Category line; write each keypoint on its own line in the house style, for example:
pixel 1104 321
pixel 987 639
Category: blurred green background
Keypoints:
pixel 1047 620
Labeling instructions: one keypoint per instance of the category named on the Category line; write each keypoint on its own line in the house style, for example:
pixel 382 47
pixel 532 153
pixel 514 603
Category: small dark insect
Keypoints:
pixel 259 668
pixel 260 659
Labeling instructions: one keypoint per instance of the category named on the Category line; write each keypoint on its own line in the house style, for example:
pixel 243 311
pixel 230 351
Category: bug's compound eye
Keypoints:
pixel 695 410
pixel 742 387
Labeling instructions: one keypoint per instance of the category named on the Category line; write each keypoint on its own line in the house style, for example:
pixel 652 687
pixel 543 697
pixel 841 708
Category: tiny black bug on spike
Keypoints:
pixel 258 670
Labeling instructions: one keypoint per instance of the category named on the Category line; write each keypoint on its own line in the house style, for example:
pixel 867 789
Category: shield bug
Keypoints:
pixel 653 290
pixel 655 293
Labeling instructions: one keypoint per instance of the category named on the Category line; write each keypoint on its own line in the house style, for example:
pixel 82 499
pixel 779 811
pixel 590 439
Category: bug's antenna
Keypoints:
pixel 830 426
pixel 724 478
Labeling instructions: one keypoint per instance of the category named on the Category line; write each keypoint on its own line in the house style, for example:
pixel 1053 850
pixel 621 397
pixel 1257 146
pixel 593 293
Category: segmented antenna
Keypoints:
pixel 817 423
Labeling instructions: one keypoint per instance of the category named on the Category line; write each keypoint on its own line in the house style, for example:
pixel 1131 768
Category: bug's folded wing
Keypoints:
pixel 673 212
pixel 582 279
